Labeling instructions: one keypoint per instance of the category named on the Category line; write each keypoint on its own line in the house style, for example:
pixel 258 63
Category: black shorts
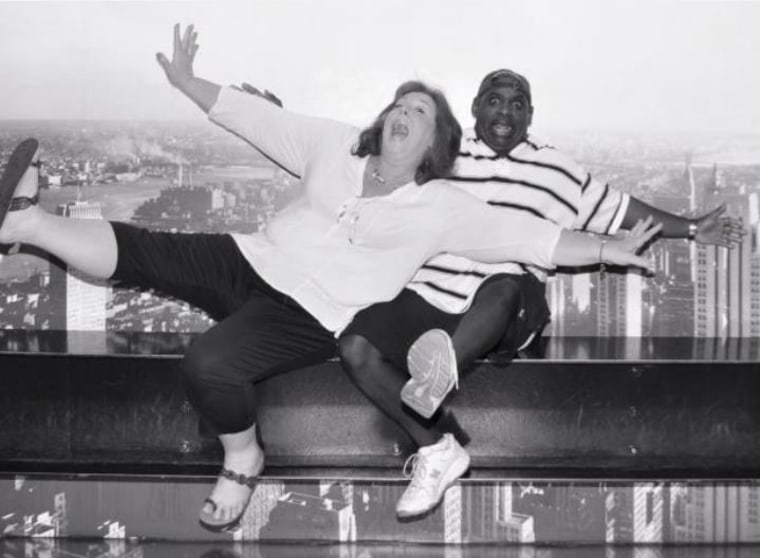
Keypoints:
pixel 531 318
pixel 392 327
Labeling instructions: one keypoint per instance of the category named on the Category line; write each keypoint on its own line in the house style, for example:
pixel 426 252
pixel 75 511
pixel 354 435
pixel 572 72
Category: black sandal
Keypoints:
pixel 18 163
pixel 208 521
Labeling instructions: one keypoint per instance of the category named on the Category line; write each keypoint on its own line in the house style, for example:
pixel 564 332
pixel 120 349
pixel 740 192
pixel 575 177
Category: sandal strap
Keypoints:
pixel 239 478
pixel 22 202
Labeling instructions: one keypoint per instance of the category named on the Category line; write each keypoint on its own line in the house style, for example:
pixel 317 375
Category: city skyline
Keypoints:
pixel 356 510
pixel 663 65
pixel 173 177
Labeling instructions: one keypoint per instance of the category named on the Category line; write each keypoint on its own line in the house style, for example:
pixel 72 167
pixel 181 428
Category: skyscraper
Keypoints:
pixel 263 501
pixel 619 304
pixel 720 513
pixel 80 301
pixel 569 298
pixel 650 512
pixel 727 282
pixel 484 513
pixel 669 308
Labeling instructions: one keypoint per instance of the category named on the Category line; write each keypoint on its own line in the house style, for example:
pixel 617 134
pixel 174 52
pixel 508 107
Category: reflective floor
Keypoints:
pixel 741 349
pixel 50 548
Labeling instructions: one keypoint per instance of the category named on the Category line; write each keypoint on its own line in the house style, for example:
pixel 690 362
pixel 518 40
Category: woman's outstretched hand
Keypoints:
pixel 625 251
pixel 179 71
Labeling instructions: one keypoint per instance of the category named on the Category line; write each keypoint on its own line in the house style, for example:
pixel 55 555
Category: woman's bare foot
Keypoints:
pixel 231 497
pixel 243 463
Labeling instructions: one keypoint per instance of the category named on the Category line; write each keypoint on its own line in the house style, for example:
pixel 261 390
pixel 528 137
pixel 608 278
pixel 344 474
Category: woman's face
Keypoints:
pixel 409 128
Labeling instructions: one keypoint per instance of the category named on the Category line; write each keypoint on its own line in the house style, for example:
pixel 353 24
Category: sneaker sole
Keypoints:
pixel 458 467
pixel 418 393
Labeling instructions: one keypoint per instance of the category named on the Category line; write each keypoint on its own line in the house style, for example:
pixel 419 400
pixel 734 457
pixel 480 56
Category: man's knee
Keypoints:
pixel 357 354
pixel 502 293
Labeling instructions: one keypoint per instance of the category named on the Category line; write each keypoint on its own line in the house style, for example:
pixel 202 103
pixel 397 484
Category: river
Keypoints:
pixel 118 202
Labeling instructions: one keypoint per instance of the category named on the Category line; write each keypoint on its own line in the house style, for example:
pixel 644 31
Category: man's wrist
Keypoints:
pixel 692 229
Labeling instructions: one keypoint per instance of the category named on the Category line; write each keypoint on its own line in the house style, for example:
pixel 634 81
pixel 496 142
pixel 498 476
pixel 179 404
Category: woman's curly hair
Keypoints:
pixel 439 160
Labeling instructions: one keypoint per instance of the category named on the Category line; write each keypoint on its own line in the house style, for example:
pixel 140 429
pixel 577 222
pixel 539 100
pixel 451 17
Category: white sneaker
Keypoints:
pixel 432 365
pixel 434 469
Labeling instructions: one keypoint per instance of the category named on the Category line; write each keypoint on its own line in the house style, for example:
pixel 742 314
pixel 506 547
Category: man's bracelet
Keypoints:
pixel 693 227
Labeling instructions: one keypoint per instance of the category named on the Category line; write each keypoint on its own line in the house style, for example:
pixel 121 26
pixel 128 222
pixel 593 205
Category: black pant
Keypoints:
pixel 260 331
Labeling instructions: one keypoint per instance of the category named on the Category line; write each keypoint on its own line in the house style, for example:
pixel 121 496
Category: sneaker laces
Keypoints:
pixel 415 468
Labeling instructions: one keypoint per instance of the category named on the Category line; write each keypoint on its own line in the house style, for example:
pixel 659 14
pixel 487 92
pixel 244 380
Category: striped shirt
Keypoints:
pixel 531 179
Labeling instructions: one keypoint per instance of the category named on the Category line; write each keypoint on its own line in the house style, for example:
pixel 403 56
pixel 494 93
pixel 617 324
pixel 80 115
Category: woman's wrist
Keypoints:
pixel 602 262
pixel 183 82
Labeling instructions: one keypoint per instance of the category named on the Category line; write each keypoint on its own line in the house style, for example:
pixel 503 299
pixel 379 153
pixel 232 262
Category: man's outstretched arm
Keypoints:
pixel 712 228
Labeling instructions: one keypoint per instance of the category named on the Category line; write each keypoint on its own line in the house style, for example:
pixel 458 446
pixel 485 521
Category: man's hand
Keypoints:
pixel 266 94
pixel 179 71
pixel 719 229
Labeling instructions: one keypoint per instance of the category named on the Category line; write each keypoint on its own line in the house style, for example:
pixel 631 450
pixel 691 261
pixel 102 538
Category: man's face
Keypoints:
pixel 502 117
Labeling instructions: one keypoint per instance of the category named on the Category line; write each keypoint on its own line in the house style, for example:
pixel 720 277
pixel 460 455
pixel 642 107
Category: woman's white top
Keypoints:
pixel 336 252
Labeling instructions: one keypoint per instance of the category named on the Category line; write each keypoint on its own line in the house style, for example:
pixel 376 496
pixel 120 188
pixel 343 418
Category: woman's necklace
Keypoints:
pixel 376 176
pixel 393 182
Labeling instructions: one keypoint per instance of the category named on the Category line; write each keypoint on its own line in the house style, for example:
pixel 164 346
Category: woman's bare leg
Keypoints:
pixel 86 244
pixel 242 455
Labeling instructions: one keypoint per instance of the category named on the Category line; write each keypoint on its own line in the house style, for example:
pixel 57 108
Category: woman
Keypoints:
pixel 369 216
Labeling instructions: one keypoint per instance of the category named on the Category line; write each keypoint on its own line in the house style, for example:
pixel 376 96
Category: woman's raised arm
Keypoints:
pixel 179 70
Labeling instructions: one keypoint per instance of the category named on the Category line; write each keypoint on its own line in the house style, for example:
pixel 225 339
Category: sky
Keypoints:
pixel 618 65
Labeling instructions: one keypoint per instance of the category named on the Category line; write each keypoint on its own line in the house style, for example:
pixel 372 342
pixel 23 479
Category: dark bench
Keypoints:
pixel 591 407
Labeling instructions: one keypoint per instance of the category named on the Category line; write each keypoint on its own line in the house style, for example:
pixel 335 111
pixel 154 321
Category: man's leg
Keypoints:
pixel 381 382
pixel 373 350
pixel 505 312
pixel 487 323
pixel 435 358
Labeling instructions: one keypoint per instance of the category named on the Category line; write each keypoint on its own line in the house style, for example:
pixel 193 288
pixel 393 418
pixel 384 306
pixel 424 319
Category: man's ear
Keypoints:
pixel 474 107
pixel 530 116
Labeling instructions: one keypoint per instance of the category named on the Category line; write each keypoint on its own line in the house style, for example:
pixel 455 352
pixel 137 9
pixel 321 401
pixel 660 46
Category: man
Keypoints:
pixel 486 307
pixel 503 113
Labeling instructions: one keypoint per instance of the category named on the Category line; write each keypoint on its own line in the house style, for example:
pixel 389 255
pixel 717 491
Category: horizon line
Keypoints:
pixel 202 121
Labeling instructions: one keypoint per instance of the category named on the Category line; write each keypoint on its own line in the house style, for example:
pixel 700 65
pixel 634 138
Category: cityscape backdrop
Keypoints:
pixel 122 513
pixel 670 119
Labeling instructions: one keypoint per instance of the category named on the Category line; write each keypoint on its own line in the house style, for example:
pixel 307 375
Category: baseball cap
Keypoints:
pixel 505 78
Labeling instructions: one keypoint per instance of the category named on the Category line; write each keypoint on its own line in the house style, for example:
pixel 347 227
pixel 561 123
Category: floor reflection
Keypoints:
pixel 741 349
pixel 63 548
